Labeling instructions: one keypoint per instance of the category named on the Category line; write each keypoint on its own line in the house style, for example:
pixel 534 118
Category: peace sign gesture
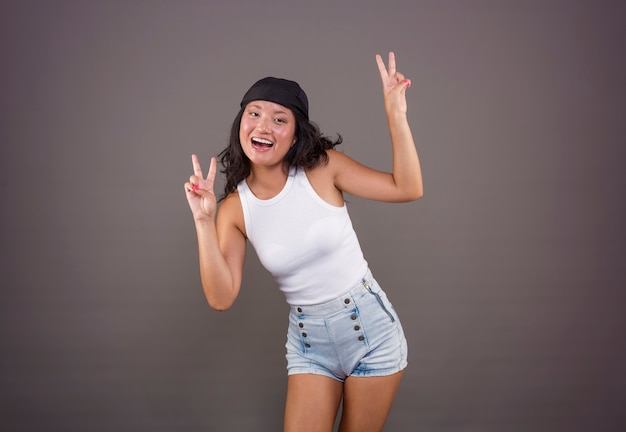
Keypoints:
pixel 199 190
pixel 394 85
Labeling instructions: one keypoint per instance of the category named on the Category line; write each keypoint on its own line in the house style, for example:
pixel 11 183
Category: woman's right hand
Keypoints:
pixel 199 190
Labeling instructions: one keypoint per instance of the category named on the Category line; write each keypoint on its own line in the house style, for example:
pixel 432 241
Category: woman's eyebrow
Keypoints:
pixel 259 107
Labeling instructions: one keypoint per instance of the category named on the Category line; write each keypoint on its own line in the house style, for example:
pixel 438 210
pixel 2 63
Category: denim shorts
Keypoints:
pixel 357 334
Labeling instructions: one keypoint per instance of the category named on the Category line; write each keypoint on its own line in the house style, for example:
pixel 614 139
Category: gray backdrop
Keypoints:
pixel 509 274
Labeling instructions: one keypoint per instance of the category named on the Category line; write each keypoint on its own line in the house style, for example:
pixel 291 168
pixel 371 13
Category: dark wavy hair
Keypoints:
pixel 308 151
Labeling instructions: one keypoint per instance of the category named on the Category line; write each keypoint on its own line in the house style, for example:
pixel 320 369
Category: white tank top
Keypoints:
pixel 307 244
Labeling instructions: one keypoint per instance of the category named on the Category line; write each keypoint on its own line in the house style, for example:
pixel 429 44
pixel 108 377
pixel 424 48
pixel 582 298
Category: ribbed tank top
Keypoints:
pixel 308 245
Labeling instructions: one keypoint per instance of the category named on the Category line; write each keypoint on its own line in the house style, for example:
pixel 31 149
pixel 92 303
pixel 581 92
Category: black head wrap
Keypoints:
pixel 281 91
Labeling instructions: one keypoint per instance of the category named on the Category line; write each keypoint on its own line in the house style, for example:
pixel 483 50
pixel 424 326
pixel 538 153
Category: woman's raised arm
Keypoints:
pixel 221 242
pixel 404 183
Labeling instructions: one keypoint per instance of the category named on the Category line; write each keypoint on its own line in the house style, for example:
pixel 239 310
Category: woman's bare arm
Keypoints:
pixel 221 241
pixel 404 183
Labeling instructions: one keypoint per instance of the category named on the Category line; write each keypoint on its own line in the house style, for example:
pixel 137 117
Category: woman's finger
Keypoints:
pixel 190 187
pixel 392 63
pixel 197 170
pixel 194 180
pixel 212 171
pixel 381 67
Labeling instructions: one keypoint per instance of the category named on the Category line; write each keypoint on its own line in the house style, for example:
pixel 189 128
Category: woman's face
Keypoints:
pixel 267 132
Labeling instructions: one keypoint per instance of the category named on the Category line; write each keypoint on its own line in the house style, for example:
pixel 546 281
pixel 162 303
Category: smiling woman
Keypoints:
pixel 267 132
pixel 290 107
pixel 284 194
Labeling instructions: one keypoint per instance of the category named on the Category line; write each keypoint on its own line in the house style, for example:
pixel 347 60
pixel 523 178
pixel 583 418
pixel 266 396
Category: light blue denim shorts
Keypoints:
pixel 357 334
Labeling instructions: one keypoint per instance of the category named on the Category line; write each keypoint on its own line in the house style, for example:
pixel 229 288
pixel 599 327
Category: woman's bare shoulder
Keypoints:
pixel 231 212
pixel 337 160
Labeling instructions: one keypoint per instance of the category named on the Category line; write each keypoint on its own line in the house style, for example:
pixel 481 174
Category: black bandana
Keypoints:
pixel 281 91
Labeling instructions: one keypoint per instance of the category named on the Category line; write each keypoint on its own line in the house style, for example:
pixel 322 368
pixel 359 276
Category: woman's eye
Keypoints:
pixel 279 120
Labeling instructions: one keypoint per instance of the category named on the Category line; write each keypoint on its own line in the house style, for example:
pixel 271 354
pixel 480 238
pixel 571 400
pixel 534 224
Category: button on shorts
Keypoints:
pixel 357 334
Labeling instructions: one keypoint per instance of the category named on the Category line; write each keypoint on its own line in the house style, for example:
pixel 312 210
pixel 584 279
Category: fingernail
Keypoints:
pixel 195 187
pixel 408 83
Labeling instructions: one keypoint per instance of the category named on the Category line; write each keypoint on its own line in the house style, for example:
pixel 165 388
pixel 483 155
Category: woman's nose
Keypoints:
pixel 264 125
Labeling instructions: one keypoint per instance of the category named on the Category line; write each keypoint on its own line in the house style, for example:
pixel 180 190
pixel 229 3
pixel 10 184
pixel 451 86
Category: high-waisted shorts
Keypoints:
pixel 357 334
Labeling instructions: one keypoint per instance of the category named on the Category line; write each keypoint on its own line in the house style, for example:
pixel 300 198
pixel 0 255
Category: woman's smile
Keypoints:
pixel 261 144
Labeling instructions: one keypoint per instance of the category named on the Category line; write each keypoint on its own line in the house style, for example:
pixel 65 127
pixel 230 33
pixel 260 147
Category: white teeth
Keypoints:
pixel 262 141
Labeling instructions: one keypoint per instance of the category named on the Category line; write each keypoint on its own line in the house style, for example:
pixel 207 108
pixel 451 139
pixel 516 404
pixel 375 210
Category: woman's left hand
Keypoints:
pixel 394 85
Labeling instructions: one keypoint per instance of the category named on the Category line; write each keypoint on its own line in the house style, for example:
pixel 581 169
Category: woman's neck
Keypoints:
pixel 266 183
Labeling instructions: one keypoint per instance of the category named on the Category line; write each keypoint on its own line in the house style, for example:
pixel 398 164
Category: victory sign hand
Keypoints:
pixel 394 85
pixel 199 190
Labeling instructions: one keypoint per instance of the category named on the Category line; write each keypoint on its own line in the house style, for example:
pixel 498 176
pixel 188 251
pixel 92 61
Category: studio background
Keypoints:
pixel 509 274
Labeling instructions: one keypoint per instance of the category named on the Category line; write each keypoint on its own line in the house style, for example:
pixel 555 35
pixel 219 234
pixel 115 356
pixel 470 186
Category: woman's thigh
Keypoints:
pixel 367 402
pixel 312 403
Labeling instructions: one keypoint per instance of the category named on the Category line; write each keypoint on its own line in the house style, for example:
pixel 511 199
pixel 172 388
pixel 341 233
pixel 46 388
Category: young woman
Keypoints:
pixel 284 193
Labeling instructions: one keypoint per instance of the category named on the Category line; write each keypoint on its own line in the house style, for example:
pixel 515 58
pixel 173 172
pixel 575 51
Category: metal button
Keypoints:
pixel 353 316
pixel 361 338
pixel 346 301
pixel 303 334
pixel 307 345
pixel 300 325
pixel 299 309
pixel 357 328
